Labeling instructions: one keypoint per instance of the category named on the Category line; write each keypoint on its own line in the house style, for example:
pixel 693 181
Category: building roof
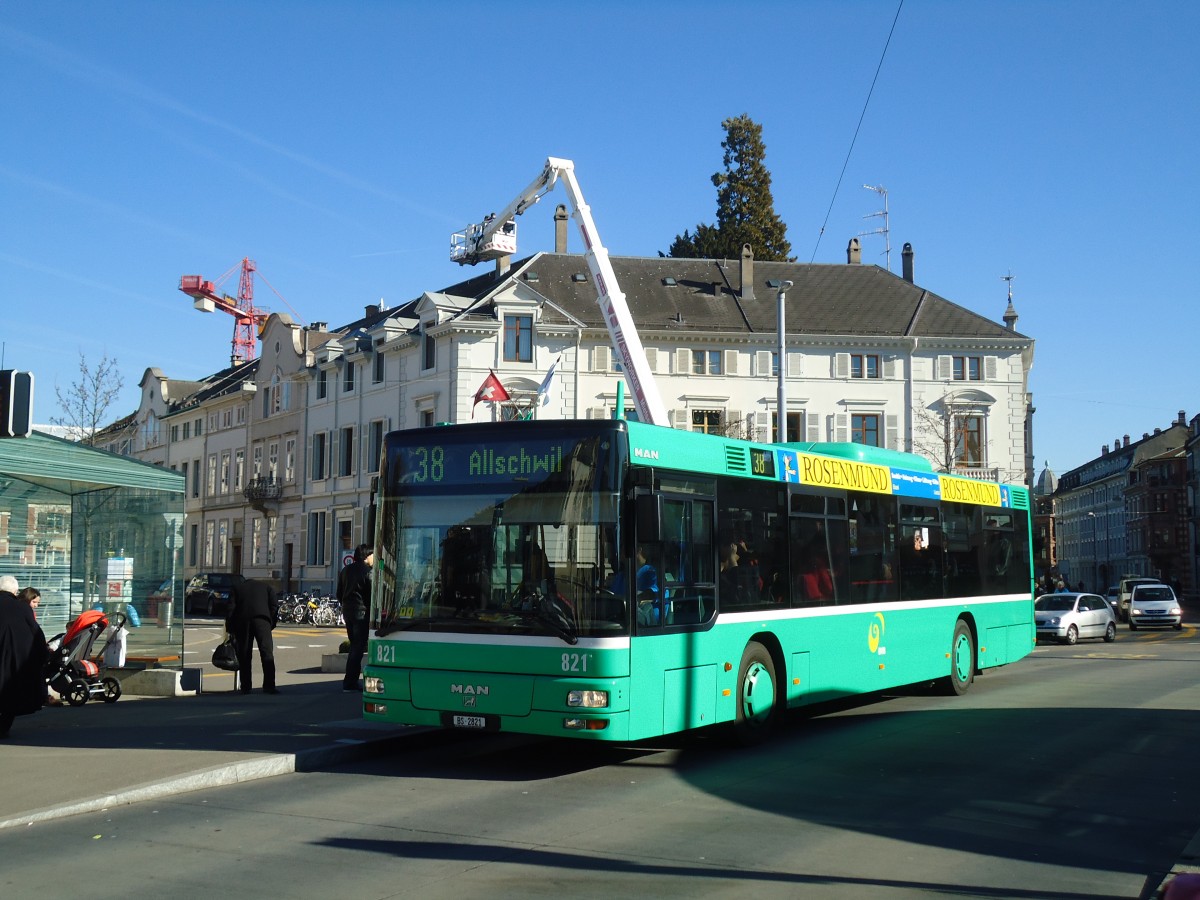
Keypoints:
pixel 666 293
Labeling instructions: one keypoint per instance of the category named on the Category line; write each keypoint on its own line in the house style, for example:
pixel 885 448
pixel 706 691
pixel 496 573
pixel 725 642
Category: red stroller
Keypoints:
pixel 71 669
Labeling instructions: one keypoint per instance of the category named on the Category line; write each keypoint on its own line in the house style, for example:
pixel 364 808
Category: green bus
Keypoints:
pixel 613 580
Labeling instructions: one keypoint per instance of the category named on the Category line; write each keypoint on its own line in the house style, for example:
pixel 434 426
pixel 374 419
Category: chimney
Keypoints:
pixel 717 285
pixel 560 228
pixel 907 255
pixel 1182 420
pixel 372 310
pixel 503 264
pixel 1126 443
pixel 854 252
pixel 747 272
pixel 1104 450
pixel 318 326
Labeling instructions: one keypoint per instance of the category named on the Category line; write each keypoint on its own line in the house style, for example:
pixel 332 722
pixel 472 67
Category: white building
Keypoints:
pixel 871 357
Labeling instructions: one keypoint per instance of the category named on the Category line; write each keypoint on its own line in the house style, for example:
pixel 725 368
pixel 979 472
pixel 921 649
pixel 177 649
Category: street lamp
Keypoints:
pixel 781 399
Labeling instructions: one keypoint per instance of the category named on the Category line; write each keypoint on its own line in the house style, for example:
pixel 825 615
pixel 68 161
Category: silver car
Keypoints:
pixel 1069 616
pixel 1154 605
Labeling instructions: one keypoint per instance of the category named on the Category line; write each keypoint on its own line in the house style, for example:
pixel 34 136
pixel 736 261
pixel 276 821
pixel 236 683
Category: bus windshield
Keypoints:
pixel 507 536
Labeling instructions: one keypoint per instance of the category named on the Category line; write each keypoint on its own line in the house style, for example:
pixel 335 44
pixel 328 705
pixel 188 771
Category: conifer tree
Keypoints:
pixel 745 207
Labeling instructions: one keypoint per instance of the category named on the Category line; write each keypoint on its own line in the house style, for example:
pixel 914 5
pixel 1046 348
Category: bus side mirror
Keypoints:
pixel 649 517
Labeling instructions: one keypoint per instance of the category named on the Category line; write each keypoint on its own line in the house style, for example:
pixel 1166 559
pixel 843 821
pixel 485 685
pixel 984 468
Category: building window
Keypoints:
pixel 174 433
pixel 239 469
pixel 427 418
pixel 377 368
pixel 967 368
pixel 518 338
pixel 864 365
pixel 289 460
pixel 211 483
pixel 795 427
pixel 193 544
pixel 864 429
pixel 210 537
pixel 273 459
pixel 706 420
pixel 322 384
pixel 258 461
pixel 318 455
pixel 348 377
pixel 376 446
pixel 195 478
pixel 706 362
pixel 968 441
pixel 225 472
pixel 197 428
pixel 346 452
pixel 317 550
pixel 428 351
pixel 187 430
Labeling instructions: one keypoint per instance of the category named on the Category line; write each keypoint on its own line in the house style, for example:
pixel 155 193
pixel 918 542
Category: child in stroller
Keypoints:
pixel 71 669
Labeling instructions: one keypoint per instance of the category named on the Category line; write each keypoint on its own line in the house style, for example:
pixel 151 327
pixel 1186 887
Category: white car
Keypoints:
pixel 1070 616
pixel 1154 605
pixel 1127 585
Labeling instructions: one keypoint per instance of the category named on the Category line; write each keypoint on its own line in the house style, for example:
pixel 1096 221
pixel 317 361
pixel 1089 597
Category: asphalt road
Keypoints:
pixel 1066 775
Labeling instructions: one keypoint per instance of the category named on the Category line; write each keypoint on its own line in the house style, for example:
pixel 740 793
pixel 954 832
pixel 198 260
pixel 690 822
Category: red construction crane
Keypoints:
pixel 245 328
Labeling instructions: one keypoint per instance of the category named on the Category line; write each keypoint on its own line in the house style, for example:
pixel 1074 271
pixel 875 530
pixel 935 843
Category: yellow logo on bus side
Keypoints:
pixel 968 490
pixel 875 633
pixel 822 471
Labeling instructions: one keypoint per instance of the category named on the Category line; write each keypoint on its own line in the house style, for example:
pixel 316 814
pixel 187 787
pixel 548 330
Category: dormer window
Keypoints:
pixel 518 338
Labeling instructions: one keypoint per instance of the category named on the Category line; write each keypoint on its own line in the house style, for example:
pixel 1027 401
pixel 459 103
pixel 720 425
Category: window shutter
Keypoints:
pixel 889 367
pixel 652 358
pixel 679 419
pixel 795 365
pixel 762 362
pixel 335 459
pixel 731 362
pixel 601 358
pixel 735 423
pixel 841 364
pixel 813 427
pixel 357 525
pixel 597 412
pixel 841 428
pixel 762 427
pixel 683 362
pixel 991 366
pixel 944 370
pixel 892 429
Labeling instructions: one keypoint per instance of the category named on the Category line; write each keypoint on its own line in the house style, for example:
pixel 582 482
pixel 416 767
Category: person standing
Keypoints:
pixel 354 593
pixel 23 654
pixel 251 618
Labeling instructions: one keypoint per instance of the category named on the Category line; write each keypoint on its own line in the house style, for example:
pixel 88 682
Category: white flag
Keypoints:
pixel 544 390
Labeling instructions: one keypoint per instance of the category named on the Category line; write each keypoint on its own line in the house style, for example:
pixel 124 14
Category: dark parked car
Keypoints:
pixel 209 593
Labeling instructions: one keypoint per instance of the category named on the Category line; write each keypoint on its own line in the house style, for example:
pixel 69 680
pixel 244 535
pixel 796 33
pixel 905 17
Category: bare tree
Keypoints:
pixel 937 434
pixel 86 402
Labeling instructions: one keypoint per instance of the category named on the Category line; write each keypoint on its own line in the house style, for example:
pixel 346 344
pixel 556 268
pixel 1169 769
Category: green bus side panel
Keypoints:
pixel 797 678
pixel 690 698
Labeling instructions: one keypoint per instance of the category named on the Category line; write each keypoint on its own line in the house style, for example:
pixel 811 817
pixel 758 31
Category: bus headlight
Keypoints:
pixel 588 699
pixel 372 685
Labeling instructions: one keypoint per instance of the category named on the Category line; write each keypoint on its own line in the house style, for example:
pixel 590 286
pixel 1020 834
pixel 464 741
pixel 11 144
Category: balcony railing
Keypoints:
pixel 259 489
pixel 979 473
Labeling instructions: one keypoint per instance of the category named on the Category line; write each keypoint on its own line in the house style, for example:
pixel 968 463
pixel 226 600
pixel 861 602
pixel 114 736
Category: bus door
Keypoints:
pixel 675 584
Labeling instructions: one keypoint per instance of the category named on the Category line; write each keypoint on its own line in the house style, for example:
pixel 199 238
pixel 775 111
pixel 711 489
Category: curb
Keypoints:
pixel 311 760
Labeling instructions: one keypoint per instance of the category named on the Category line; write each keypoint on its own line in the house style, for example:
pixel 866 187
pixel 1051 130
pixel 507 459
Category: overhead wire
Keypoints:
pixel 857 128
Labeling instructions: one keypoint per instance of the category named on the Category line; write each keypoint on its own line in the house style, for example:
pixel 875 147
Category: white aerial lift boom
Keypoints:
pixel 496 236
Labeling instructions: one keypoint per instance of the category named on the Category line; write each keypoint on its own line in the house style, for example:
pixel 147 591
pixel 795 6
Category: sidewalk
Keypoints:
pixel 66 760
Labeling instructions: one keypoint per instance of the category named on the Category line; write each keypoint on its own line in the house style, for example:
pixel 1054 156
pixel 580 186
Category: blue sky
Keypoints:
pixel 339 144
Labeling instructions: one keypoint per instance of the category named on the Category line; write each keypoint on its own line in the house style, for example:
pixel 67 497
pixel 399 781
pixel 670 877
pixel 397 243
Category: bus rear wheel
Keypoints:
pixel 962 661
pixel 757 696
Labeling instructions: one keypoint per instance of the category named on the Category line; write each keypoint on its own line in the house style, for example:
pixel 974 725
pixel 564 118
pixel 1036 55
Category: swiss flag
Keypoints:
pixel 491 391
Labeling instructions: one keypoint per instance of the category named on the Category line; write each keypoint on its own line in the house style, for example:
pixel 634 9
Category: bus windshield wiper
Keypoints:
pixel 546 614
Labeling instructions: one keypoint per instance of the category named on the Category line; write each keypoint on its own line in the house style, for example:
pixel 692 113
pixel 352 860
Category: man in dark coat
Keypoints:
pixel 354 593
pixel 23 655
pixel 252 615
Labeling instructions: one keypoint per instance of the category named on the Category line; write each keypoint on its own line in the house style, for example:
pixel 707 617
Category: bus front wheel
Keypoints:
pixel 757 707
pixel 962 660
